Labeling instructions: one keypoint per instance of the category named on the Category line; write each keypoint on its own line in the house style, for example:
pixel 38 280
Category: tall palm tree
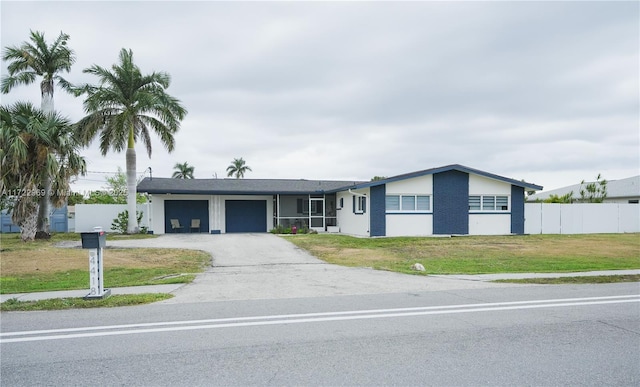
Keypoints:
pixel 27 62
pixel 237 168
pixel 124 107
pixel 183 171
pixel 34 144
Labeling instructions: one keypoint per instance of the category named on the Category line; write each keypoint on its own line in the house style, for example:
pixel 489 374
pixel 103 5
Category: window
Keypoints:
pixel 359 204
pixel 408 203
pixel 488 203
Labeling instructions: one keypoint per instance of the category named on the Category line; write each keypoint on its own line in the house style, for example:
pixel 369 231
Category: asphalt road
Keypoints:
pixel 530 335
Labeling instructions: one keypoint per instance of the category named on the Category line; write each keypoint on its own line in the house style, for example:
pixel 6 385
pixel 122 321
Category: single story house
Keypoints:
pixel 450 200
pixel 618 191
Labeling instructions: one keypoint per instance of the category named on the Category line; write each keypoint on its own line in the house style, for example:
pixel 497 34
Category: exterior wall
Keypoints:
pixel 581 218
pixel 418 185
pixel 489 224
pixel 517 210
pixel 451 203
pixel 378 210
pixel 496 223
pixel 350 223
pixel 409 224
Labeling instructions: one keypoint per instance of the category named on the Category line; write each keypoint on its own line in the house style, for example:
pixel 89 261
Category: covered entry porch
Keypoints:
pixel 314 211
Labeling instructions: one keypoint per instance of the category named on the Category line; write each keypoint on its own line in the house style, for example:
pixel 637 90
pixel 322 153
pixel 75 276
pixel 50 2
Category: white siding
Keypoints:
pixel 422 185
pixel 489 224
pixel 409 225
pixel 480 185
pixel 350 223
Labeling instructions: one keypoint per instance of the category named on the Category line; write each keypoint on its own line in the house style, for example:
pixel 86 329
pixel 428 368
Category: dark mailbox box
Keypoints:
pixel 93 240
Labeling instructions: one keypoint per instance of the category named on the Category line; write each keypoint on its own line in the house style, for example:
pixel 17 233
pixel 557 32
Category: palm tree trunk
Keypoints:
pixel 44 211
pixel 132 226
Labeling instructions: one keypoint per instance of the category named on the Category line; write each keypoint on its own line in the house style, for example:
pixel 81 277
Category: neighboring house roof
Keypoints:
pixel 622 188
pixel 291 187
pixel 447 168
pixel 239 186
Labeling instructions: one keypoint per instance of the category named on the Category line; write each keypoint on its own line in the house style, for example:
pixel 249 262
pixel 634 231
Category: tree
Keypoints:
pixel 378 178
pixel 183 171
pixel 237 168
pixel 124 107
pixel 594 192
pixel 34 144
pixel 565 199
pixel 39 59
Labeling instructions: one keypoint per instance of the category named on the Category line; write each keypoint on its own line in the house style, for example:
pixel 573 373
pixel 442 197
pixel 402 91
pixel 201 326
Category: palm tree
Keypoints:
pixel 183 171
pixel 124 107
pixel 35 144
pixel 237 168
pixel 38 59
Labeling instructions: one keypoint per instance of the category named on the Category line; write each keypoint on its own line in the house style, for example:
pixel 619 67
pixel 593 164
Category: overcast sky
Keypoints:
pixel 540 91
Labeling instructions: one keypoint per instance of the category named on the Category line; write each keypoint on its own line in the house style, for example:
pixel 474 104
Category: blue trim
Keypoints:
pixel 517 210
pixel 378 220
pixel 451 202
pixel 489 213
pixel 216 232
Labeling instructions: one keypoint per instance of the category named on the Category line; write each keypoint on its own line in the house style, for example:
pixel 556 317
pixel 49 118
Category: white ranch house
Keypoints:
pixel 450 200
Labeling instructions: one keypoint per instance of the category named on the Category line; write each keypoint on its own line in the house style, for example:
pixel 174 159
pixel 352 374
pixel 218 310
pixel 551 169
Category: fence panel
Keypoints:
pixel 581 218
pixel 89 216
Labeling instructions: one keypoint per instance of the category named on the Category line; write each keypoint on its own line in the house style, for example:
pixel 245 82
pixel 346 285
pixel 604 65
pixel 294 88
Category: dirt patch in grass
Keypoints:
pixel 55 259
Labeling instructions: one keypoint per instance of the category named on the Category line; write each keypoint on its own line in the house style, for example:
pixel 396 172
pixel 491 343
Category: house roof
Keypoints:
pixel 622 188
pixel 239 186
pixel 290 186
pixel 447 168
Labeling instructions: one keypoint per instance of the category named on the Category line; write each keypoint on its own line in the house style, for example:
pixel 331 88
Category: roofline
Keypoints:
pixel 446 168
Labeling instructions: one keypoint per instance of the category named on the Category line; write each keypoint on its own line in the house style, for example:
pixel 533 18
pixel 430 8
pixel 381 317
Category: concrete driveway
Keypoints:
pixel 265 266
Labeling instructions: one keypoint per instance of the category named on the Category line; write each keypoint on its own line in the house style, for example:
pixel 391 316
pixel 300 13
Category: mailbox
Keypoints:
pixel 94 240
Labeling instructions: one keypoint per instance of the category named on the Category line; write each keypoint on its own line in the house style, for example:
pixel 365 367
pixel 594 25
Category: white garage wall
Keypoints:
pixel 422 185
pixel 480 185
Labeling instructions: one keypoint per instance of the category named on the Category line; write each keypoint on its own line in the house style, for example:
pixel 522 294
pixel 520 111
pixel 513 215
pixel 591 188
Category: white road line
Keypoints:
pixel 337 316
pixel 304 315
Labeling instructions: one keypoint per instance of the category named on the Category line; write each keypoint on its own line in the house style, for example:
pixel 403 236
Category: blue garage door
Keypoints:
pixel 246 215
pixel 184 211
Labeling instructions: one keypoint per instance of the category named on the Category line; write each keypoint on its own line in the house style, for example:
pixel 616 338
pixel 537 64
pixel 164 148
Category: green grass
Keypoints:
pixel 13 305
pixel 479 254
pixel 41 266
pixel 600 279
pixel 79 279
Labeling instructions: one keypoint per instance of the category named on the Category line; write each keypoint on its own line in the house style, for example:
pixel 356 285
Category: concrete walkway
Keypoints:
pixel 264 266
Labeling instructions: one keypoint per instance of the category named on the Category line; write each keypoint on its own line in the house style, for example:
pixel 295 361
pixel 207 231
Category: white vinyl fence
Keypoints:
pixel 581 218
pixel 89 216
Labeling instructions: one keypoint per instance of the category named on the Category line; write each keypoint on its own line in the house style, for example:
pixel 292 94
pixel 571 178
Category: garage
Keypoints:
pixel 246 215
pixel 184 214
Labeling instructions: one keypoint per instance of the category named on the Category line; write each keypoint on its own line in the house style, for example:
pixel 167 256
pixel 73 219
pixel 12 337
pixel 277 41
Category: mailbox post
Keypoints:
pixel 95 242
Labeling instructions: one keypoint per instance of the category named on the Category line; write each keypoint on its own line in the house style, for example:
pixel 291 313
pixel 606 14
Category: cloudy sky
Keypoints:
pixel 541 91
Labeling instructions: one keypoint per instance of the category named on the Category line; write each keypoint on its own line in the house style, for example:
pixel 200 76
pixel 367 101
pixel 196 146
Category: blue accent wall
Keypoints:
pixel 517 210
pixel 451 202
pixel 378 218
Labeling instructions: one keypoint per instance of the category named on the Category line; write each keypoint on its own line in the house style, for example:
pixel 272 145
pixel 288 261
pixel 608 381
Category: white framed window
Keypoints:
pixel 408 203
pixel 359 204
pixel 493 203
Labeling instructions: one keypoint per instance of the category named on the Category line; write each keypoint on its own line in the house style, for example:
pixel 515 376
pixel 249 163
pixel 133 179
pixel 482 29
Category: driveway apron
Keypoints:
pixel 265 266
